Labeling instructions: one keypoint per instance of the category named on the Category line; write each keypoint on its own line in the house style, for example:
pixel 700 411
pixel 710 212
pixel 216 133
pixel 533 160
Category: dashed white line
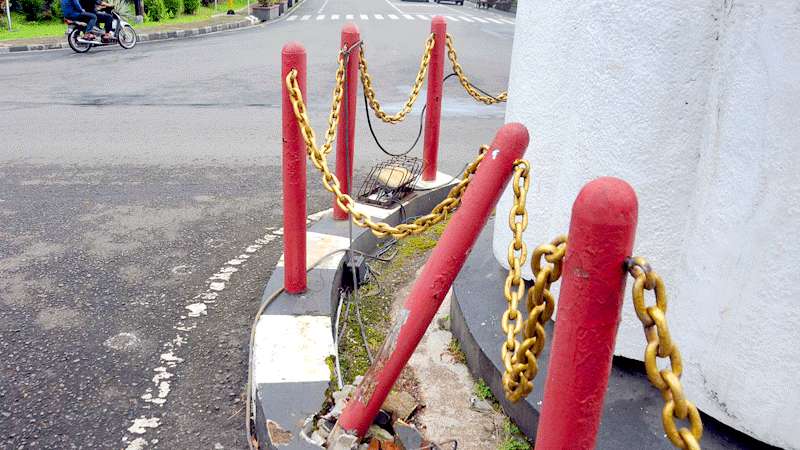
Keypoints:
pixel 451 18
pixel 493 20
pixel 477 19
pixel 392 16
pixel 321 16
pixel 422 17
pixel 306 17
pixel 349 17
pixel 508 21
pixel 334 17
pixel 378 16
pixel 364 17
pixel 323 7
pixel 291 18
pixel 407 16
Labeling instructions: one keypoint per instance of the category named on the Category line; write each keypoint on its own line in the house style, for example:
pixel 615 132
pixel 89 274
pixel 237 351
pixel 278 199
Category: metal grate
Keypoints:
pixel 390 181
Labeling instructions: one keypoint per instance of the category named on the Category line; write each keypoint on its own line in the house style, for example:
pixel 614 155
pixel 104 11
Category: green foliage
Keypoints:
pixel 482 390
pixel 155 10
pixel 55 10
pixel 510 428
pixel 455 350
pixel 512 443
pixel 191 6
pixel 33 9
pixel 174 7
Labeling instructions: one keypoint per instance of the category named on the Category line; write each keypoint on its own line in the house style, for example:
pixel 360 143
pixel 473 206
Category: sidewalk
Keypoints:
pixel 156 33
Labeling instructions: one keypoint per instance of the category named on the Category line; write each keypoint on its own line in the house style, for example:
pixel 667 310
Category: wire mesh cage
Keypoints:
pixel 390 181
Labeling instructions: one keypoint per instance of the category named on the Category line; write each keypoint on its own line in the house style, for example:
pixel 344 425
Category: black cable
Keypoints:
pixel 378 142
pixel 476 88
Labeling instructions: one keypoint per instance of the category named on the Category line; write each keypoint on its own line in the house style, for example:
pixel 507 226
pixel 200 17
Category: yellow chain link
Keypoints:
pixel 520 359
pixel 366 80
pixel 471 90
pixel 331 182
pixel 661 345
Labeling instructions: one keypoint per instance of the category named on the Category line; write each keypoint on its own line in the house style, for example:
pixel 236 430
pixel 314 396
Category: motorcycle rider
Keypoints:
pixel 90 6
pixel 73 10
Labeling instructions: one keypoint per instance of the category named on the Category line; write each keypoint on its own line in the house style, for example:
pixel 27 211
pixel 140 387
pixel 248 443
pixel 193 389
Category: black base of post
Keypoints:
pixel 230 12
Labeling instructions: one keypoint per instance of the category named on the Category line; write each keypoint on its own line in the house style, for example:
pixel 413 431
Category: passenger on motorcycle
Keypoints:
pixel 90 6
pixel 74 11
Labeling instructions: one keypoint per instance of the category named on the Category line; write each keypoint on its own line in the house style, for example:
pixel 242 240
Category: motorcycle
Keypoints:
pixel 122 33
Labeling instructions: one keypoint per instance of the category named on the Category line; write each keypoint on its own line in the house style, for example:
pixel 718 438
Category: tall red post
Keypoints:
pixel 433 113
pixel 432 285
pixel 345 139
pixel 601 235
pixel 293 56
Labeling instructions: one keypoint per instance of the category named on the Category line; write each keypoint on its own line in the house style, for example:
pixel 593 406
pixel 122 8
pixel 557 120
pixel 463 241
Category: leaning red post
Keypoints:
pixel 345 139
pixel 433 112
pixel 293 56
pixel 601 235
pixel 433 284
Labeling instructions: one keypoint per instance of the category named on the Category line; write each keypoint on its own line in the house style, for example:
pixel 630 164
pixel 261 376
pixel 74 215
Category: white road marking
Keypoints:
pixel 508 21
pixel 422 17
pixel 349 17
pixel 306 17
pixel 493 20
pixel 323 7
pixel 406 16
pixel 464 19
pixel 378 16
pixel 364 17
pixel 393 17
pixel 451 18
pixel 141 423
pixel 477 19
pixel 393 6
pixel 291 18
pixel 334 17
pixel 321 16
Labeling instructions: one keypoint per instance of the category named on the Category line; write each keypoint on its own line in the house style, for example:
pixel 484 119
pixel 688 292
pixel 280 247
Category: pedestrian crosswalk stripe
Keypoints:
pixel 364 17
pixel 334 17
pixel 426 17
pixel 291 18
pixel 321 16
pixel 422 17
pixel 508 21
pixel 393 17
pixel 406 16
pixel 378 16
pixel 451 18
pixel 464 19
pixel 477 19
pixel 306 17
pixel 493 20
pixel 349 17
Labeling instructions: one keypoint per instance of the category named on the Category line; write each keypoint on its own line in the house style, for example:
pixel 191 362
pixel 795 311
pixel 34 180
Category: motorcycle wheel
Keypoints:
pixel 77 47
pixel 127 37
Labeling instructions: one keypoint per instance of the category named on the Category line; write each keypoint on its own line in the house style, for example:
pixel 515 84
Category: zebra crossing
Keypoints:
pixel 393 17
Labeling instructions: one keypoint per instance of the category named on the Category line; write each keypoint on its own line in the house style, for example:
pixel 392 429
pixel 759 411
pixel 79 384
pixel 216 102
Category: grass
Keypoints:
pixel 376 299
pixel 454 348
pixel 482 391
pixel 514 439
pixel 23 29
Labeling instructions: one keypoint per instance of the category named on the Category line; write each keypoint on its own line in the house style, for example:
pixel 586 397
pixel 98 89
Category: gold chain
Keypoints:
pixel 661 345
pixel 471 90
pixel 519 359
pixel 366 80
pixel 331 182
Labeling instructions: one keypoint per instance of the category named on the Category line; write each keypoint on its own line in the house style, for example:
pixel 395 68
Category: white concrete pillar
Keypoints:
pixel 696 103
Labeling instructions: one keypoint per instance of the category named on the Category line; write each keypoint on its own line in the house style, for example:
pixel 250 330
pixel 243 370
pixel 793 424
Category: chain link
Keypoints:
pixel 661 345
pixel 468 86
pixel 331 182
pixel 366 80
pixel 520 358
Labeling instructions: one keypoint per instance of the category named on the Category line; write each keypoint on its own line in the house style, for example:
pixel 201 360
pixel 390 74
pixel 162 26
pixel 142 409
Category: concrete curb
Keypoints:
pixel 632 408
pixel 294 335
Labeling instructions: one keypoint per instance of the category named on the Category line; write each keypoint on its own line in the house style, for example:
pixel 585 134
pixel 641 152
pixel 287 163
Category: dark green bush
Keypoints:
pixel 53 10
pixel 174 7
pixel 155 10
pixel 33 9
pixel 191 6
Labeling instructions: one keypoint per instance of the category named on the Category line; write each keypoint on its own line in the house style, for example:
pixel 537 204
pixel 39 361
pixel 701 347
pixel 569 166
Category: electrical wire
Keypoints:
pixel 378 142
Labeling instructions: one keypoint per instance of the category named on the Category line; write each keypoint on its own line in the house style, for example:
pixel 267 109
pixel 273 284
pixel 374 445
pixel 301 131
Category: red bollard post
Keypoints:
pixel 432 285
pixel 433 113
pixel 601 235
pixel 345 139
pixel 293 56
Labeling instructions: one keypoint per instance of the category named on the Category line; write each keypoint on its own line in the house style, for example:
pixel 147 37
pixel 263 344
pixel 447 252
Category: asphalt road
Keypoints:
pixel 129 178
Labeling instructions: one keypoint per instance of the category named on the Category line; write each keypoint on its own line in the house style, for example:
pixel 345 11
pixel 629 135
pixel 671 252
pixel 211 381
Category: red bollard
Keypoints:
pixel 432 285
pixel 345 139
pixel 433 113
pixel 601 235
pixel 293 56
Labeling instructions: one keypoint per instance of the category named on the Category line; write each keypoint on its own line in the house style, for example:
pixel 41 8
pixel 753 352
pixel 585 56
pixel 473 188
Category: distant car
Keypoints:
pixel 456 2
